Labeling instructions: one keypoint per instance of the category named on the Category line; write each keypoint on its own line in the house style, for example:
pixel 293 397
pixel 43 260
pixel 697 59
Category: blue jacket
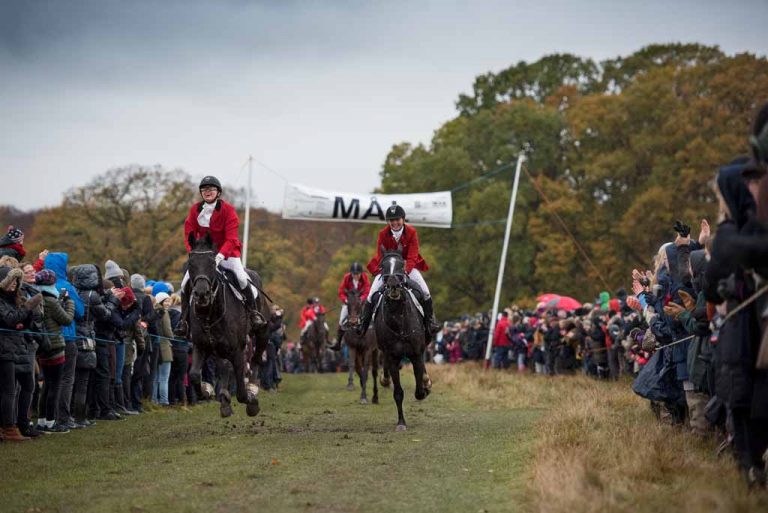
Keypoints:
pixel 57 262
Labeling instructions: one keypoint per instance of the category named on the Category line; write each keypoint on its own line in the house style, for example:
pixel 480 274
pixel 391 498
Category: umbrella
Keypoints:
pixel 563 303
pixel 546 298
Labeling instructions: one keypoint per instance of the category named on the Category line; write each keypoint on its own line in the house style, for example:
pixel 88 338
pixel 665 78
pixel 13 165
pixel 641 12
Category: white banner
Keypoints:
pixel 433 209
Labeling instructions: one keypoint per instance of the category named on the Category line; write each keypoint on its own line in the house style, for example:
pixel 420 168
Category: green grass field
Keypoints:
pixel 481 442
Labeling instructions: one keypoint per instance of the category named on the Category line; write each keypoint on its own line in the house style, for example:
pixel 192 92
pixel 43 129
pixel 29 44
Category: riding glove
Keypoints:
pixel 219 258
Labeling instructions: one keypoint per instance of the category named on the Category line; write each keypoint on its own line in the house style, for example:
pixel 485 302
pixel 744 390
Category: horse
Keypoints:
pixel 399 329
pixel 312 343
pixel 363 349
pixel 218 327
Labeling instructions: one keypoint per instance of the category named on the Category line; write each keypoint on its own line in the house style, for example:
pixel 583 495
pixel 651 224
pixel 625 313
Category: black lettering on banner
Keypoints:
pixel 379 213
pixel 346 212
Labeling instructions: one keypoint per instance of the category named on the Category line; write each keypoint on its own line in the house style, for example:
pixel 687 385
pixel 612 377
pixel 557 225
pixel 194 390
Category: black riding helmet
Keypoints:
pixel 356 268
pixel 395 212
pixel 210 181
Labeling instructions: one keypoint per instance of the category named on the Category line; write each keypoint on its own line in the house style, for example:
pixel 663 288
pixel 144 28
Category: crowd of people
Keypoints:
pixel 693 332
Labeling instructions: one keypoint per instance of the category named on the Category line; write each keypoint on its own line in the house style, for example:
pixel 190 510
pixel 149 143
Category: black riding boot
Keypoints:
pixel 365 320
pixel 255 319
pixel 430 323
pixel 339 335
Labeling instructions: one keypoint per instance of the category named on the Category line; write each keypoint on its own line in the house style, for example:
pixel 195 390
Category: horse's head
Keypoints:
pixel 354 305
pixel 202 268
pixel 393 275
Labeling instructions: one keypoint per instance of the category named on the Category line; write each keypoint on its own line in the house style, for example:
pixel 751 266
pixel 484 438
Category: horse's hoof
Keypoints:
pixel 252 389
pixel 420 395
pixel 363 401
pixel 226 411
pixel 252 409
pixel 351 387
pixel 400 427
pixel 375 400
pixel 427 383
pixel 207 390
pixel 385 382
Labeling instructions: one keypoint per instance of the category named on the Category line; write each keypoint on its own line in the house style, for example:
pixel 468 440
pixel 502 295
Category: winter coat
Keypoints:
pixel 26 362
pixel 736 246
pixel 166 333
pixel 57 262
pixel 500 338
pixel 13 345
pixel 88 284
pixel 56 315
pixel 223 228
pixel 11 249
pixel 408 245
pixel 597 347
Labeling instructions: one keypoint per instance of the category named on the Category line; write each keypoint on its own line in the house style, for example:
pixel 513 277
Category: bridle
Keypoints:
pixel 213 288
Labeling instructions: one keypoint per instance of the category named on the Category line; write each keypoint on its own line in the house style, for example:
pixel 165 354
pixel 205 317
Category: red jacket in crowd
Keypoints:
pixel 408 243
pixel 500 338
pixel 364 286
pixel 223 228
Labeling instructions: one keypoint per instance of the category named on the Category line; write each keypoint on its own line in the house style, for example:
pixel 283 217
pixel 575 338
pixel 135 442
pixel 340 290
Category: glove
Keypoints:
pixel 688 300
pixel 674 310
pixel 33 302
pixel 219 258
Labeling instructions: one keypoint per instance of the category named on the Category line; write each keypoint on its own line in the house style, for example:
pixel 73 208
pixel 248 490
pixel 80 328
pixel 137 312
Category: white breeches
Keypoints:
pixel 235 265
pixel 343 315
pixel 415 275
pixel 309 325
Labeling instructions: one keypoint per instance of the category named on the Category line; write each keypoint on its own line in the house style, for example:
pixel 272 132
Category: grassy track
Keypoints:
pixel 313 448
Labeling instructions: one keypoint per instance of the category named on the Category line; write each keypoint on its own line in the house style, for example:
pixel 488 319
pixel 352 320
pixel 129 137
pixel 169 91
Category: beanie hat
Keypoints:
pixel 14 234
pixel 112 270
pixel 138 282
pixel 129 298
pixel 45 277
pixel 159 287
pixel 160 297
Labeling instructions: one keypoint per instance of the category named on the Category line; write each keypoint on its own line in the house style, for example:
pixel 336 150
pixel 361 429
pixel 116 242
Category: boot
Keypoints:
pixel 28 429
pixel 12 434
pixel 430 323
pixel 120 404
pixel 337 344
pixel 365 320
pixel 255 319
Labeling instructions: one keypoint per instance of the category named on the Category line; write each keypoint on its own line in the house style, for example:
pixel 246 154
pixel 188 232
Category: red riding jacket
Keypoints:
pixel 408 243
pixel 364 286
pixel 223 228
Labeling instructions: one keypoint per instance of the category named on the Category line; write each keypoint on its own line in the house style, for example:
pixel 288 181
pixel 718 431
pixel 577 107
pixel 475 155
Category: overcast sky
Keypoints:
pixel 317 91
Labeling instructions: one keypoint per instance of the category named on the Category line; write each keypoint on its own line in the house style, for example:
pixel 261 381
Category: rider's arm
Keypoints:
pixel 412 252
pixel 366 287
pixel 231 236
pixel 342 291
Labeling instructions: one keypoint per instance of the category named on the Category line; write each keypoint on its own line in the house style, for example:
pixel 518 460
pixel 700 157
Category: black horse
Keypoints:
pixel 218 327
pixel 363 350
pixel 399 329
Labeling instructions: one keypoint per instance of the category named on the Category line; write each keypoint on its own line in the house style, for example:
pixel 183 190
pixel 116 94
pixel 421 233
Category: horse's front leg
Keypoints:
pixel 420 373
pixel 252 388
pixel 238 362
pixel 362 374
pixel 393 364
pixel 224 370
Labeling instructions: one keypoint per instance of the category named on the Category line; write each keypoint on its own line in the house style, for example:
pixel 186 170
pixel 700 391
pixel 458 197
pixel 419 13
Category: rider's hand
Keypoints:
pixel 219 258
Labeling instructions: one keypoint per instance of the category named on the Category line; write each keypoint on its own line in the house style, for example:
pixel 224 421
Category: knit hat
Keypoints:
pixel 159 287
pixel 45 277
pixel 138 282
pixel 112 270
pixel 14 234
pixel 129 298
pixel 162 296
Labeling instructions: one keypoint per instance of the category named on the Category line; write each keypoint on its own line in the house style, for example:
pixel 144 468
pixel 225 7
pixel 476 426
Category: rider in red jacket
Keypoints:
pixel 215 216
pixel 355 279
pixel 398 236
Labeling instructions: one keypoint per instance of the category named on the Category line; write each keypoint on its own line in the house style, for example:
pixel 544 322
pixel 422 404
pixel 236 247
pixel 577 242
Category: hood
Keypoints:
pixel 57 262
pixel 735 193
pixel 86 277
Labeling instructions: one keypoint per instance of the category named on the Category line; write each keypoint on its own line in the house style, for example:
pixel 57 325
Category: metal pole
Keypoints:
pixel 500 277
pixel 247 212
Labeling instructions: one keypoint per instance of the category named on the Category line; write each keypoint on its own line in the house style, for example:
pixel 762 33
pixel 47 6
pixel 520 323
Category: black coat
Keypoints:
pixel 13 345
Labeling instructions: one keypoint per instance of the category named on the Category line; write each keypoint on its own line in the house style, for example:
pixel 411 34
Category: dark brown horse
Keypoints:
pixel 218 327
pixel 399 329
pixel 313 343
pixel 363 349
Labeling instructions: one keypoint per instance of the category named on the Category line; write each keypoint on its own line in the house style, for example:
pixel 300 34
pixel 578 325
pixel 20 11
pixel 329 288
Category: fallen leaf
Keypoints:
pixel 275 461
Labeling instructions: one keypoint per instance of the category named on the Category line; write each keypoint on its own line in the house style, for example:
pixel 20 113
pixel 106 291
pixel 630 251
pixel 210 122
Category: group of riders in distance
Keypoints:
pixel 225 311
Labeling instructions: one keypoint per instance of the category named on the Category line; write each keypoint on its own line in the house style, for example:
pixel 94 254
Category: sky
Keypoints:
pixel 317 92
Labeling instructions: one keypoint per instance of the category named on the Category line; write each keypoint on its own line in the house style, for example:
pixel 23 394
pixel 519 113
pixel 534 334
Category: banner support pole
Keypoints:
pixel 503 261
